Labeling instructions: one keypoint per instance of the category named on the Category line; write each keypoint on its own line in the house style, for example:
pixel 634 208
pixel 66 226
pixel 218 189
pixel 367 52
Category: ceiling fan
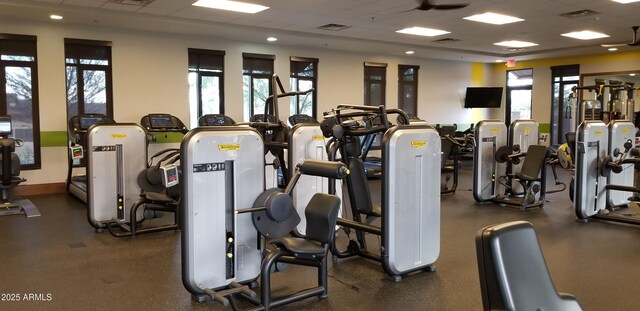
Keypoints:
pixel 426 5
pixel 634 42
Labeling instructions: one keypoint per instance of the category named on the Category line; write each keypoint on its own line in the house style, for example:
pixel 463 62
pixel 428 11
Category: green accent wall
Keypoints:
pixel 53 139
pixel 167 138
pixel 544 128
pixel 59 138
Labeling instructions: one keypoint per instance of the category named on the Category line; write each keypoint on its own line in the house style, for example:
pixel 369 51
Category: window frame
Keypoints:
pixel 369 70
pixel 413 106
pixel 557 113
pixel 35 99
pixel 195 64
pixel 294 62
pixel 70 44
pixel 507 115
pixel 248 60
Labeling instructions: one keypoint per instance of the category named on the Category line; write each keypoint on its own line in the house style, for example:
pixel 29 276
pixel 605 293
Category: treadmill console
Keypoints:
pixel 160 121
pixel 5 126
pixel 215 120
pixel 302 119
pixel 86 121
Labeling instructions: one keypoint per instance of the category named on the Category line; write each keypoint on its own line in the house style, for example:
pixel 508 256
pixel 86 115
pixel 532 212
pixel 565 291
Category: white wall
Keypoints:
pixel 150 75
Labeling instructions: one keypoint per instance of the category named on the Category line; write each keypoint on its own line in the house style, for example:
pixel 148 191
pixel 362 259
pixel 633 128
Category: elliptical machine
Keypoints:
pixel 10 173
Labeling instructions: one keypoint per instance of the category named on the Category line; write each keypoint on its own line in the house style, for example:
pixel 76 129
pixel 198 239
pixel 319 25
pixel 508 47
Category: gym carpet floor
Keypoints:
pixel 60 258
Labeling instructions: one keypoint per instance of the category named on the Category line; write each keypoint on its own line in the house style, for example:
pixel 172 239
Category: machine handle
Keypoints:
pixel 335 170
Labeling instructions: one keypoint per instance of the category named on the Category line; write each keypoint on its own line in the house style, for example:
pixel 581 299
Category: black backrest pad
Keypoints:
pixel 513 272
pixel 321 214
pixel 358 186
pixel 446 146
pixel 571 143
pixel 534 161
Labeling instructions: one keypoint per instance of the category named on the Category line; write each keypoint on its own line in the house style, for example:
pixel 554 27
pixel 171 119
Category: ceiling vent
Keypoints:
pixel 446 40
pixel 334 27
pixel 132 2
pixel 579 13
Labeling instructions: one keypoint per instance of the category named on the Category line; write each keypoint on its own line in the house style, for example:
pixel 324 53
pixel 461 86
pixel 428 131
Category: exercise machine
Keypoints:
pixel 116 154
pixel 275 133
pixel 410 210
pixel 10 174
pixel 496 164
pixel 592 110
pixel 604 171
pixel 78 127
pixel 450 166
pixel 225 212
pixel 158 181
pixel 306 142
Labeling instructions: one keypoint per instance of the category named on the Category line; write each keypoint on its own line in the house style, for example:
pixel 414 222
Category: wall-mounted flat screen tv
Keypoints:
pixel 483 97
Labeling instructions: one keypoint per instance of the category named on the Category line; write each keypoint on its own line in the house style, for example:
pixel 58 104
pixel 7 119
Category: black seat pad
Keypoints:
pixel 299 246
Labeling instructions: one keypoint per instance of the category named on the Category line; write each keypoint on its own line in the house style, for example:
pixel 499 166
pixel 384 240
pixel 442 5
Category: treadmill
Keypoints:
pixel 78 128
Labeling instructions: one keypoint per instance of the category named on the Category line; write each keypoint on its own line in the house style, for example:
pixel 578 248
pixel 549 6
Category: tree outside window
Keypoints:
pixel 408 88
pixel 206 83
pixel 375 83
pixel 257 70
pixel 304 72
pixel 88 77
pixel 19 94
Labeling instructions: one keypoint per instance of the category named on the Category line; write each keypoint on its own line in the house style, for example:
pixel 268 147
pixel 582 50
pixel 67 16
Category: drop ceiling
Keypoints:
pixel 372 24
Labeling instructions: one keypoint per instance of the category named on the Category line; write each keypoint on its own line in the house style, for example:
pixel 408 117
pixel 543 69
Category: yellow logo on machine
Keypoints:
pixel 495 130
pixel 418 143
pixel 228 147
pixel 626 131
pixel 317 137
pixel 598 133
pixel 118 136
pixel 527 129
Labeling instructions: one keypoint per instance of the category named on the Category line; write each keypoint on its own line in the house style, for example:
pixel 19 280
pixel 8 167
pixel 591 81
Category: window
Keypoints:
pixel 563 79
pixel 408 88
pixel 206 83
pixel 375 83
pixel 88 68
pixel 19 94
pixel 519 88
pixel 257 70
pixel 304 76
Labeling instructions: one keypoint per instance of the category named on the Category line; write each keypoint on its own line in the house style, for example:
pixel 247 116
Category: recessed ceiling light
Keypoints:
pixel 272 39
pixel 585 35
pixel 516 44
pixel 632 74
pixel 612 49
pixel 55 17
pixel 625 1
pixel 499 60
pixel 228 5
pixel 409 52
pixel 493 18
pixel 421 31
